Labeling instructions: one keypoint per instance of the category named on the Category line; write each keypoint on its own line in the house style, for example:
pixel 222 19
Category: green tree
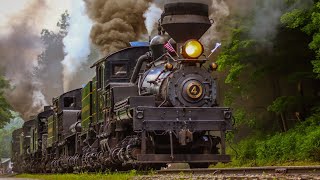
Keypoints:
pixel 6 135
pixel 307 19
pixel 50 67
pixel 5 108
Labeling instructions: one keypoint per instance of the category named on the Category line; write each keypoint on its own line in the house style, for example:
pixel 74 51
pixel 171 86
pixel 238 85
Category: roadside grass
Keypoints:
pixel 82 176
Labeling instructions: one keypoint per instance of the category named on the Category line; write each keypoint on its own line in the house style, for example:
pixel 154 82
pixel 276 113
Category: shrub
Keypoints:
pixel 301 143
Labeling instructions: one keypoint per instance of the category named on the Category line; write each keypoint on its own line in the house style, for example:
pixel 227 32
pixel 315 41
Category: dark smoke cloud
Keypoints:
pixel 18 51
pixel 116 22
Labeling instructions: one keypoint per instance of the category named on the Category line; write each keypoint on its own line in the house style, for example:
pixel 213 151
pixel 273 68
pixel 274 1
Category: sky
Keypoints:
pixel 55 8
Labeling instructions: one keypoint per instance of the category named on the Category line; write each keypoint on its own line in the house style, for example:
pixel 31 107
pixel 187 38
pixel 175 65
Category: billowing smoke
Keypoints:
pixel 31 58
pixel 77 43
pixel 264 16
pixel 116 22
pixel 266 20
pixel 219 12
pixel 267 16
pixel 152 15
pixel 19 48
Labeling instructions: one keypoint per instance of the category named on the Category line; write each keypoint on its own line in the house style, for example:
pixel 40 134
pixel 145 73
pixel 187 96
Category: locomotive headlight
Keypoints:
pixel 192 49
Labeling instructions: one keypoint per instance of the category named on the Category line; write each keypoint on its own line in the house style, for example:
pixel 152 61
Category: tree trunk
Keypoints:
pixel 284 122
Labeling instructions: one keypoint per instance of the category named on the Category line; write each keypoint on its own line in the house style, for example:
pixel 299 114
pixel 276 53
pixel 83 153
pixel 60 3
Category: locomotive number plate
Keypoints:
pixel 194 90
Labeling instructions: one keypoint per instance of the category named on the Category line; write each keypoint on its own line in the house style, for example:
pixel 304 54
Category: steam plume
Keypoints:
pixel 152 15
pixel 19 49
pixel 267 17
pixel 116 22
pixel 77 43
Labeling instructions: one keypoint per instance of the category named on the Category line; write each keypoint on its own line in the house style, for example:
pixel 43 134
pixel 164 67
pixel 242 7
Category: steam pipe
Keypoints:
pixel 136 70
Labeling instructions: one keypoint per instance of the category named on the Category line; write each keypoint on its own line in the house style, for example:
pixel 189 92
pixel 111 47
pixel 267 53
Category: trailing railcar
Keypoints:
pixel 62 142
pixel 16 150
pixel 40 136
pixel 26 145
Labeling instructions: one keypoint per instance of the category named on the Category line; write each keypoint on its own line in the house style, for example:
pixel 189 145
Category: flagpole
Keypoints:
pixel 210 54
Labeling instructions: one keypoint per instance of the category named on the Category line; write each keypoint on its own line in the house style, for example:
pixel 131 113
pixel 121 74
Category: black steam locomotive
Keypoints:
pixel 147 106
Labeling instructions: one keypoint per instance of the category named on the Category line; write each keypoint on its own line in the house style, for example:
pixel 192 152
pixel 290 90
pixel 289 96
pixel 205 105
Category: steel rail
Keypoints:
pixel 288 170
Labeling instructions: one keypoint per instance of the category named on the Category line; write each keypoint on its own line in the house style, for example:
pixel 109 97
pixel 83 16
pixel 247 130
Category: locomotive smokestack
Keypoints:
pixel 190 17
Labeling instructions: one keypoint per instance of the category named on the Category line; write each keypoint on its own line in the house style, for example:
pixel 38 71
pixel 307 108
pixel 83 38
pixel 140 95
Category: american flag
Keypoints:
pixel 169 47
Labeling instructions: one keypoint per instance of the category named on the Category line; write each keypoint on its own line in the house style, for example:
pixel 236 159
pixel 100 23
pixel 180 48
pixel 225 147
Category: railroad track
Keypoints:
pixel 275 170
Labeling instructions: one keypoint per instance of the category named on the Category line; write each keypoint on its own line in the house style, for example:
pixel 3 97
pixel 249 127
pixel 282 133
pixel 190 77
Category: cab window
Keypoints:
pixel 100 77
pixel 69 102
pixel 119 70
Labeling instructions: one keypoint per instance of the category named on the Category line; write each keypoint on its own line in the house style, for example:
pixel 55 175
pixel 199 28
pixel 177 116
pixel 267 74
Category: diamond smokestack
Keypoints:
pixel 185 20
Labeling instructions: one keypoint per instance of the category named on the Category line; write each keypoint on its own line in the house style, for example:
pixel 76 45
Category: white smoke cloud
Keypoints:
pixel 267 16
pixel 38 99
pixel 77 42
pixel 266 19
pixel 152 15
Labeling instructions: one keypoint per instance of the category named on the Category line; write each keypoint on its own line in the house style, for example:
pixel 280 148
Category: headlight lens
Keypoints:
pixel 192 49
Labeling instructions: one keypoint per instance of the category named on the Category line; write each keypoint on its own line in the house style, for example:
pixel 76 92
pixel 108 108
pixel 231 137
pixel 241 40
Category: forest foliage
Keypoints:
pixel 285 66
pixel 274 88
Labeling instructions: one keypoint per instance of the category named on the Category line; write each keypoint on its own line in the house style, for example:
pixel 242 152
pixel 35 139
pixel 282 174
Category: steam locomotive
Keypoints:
pixel 147 106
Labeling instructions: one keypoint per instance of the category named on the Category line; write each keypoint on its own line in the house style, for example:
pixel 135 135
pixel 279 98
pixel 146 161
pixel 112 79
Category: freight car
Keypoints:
pixel 147 106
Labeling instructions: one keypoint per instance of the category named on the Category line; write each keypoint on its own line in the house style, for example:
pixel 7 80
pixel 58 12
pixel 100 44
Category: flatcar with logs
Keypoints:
pixel 146 107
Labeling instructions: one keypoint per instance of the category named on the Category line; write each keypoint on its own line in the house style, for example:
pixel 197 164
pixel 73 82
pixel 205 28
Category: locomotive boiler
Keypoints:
pixel 147 106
